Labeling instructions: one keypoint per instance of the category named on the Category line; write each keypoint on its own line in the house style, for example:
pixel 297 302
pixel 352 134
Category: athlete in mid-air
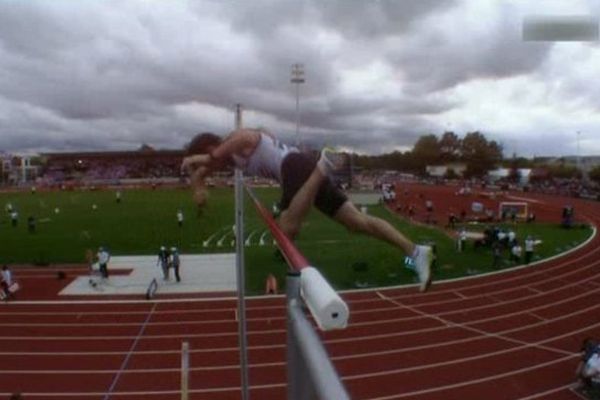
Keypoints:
pixel 304 181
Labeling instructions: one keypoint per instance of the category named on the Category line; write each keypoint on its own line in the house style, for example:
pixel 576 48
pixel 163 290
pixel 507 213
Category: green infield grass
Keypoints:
pixel 67 223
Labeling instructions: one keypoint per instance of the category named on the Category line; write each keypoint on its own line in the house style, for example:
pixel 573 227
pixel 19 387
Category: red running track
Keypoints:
pixel 511 335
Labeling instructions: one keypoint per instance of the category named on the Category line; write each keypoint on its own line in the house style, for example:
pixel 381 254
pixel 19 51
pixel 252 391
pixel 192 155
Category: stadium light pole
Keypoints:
pixel 297 79
pixel 578 150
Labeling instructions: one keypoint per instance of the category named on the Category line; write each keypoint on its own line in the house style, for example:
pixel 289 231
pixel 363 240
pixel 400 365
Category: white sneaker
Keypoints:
pixel 330 161
pixel 423 260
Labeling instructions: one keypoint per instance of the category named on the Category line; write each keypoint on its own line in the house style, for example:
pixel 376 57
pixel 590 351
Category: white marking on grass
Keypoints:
pixel 211 237
pixel 261 242
pixel 248 242
pixel 222 240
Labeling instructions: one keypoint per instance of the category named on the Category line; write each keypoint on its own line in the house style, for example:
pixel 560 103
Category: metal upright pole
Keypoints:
pixel 241 279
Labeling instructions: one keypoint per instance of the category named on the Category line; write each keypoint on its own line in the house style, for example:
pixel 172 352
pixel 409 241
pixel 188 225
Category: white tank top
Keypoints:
pixel 266 159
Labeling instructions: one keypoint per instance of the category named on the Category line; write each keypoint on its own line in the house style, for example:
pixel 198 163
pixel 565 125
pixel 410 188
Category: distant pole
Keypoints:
pixel 578 150
pixel 297 79
pixel 238 116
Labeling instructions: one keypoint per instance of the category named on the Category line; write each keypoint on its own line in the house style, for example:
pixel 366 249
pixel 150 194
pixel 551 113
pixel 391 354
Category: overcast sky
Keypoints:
pixel 112 74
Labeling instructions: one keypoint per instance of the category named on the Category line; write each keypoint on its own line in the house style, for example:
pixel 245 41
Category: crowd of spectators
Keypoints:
pixel 110 167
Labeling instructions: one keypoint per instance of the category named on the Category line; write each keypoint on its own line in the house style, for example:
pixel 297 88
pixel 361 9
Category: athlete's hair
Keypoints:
pixel 203 143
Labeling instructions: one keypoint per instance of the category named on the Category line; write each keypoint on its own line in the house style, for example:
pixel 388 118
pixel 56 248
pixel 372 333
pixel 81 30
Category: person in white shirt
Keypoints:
pixel 180 218
pixel 512 236
pixel 5 282
pixel 462 240
pixel 103 259
pixel 14 218
pixel 516 252
pixel 529 246
pixel 588 370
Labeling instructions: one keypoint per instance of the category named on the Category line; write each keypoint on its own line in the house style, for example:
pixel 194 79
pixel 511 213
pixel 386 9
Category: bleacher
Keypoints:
pixel 110 167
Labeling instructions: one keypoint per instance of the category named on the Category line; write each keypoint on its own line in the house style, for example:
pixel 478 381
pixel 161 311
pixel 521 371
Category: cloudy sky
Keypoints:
pixel 112 74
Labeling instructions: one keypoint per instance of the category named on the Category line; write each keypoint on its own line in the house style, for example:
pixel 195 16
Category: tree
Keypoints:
pixel 479 154
pixel 449 145
pixel 594 174
pixel 426 151
pixel 563 171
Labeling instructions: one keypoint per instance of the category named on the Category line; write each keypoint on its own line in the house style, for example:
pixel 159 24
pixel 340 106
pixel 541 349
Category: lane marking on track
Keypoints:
pixel 372 354
pixel 534 315
pixel 476 330
pixel 547 392
pixel 576 393
pixel 370 311
pixel 129 353
pixel 162 393
pixel 459 294
pixel 203 300
pixel 533 289
pixel 342 340
pixel 468 383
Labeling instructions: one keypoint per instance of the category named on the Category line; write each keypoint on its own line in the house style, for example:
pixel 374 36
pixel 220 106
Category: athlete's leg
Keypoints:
pixel 292 217
pixel 304 180
pixel 356 221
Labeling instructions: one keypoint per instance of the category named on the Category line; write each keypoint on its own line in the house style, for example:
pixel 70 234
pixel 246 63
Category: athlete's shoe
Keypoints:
pixel 330 161
pixel 423 258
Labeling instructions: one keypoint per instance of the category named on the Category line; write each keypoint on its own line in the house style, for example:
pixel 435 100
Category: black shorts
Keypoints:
pixel 295 170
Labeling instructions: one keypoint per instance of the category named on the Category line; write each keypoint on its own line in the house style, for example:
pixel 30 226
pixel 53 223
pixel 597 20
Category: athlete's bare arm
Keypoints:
pixel 241 142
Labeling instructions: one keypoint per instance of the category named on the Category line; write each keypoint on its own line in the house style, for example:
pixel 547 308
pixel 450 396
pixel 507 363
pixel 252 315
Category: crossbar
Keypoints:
pixel 294 258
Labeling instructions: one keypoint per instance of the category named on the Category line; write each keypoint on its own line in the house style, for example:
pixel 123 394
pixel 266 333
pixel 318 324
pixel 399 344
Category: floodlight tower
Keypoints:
pixel 578 151
pixel 297 79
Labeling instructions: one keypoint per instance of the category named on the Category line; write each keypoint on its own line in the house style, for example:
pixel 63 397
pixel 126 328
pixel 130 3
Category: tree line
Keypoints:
pixel 474 150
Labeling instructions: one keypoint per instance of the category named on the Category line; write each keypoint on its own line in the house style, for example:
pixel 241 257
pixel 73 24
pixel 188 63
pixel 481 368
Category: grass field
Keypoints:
pixel 146 219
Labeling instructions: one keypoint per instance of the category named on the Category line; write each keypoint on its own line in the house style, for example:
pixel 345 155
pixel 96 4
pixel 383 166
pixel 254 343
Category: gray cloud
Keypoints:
pixel 113 74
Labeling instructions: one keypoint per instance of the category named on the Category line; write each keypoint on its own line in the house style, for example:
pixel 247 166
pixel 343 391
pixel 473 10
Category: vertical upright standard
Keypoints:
pixel 241 279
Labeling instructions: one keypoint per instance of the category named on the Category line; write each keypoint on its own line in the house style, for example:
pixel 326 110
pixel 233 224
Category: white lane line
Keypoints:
pixel 547 392
pixel 129 353
pixel 371 323
pixel 535 290
pixel 162 393
pixel 476 330
pixel 203 300
pixel 459 294
pixel 355 356
pixel 534 315
pixel 468 383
